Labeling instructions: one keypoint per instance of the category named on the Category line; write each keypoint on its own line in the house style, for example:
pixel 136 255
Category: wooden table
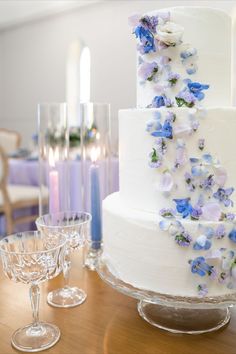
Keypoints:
pixel 107 323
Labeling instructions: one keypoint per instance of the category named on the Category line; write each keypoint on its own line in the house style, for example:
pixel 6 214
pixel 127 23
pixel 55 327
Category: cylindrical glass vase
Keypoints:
pixel 96 170
pixel 53 133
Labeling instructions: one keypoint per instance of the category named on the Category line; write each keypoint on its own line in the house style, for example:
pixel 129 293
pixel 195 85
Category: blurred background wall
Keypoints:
pixel 34 53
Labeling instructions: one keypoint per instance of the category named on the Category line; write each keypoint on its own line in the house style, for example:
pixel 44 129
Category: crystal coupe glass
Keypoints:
pixel 74 226
pixel 31 258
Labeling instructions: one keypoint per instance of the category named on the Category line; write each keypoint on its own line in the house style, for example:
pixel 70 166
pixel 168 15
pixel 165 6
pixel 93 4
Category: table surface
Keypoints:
pixel 107 323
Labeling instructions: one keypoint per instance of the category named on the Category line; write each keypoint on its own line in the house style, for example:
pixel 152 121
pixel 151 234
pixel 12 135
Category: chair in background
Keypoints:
pixel 9 140
pixel 14 197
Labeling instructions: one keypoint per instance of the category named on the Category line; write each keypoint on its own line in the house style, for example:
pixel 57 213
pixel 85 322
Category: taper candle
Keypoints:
pixel 96 227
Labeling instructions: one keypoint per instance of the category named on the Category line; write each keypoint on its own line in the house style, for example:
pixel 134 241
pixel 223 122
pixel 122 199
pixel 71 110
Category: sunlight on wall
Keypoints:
pixel 85 62
pixel 77 79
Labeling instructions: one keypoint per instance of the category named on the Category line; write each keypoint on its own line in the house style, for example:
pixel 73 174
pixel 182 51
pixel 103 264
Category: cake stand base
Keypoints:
pixel 183 320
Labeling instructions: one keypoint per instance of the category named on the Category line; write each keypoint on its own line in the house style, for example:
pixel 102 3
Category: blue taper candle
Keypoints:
pixel 96 227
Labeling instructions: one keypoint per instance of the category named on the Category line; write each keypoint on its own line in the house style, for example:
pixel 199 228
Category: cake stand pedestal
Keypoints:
pixel 189 315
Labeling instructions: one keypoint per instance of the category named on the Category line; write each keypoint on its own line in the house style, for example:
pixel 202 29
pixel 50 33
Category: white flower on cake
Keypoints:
pixel 169 33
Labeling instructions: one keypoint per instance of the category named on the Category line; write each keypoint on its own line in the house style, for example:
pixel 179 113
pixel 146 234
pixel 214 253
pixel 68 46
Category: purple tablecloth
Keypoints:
pixel 26 172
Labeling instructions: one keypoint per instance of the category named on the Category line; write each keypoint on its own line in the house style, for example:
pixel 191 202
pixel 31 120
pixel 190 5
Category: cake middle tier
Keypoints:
pixel 139 184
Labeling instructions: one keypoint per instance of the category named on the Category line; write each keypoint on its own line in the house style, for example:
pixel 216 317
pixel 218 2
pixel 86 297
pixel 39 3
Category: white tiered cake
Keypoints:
pixel 171 229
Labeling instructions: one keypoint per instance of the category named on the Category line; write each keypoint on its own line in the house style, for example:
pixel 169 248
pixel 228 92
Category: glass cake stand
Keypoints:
pixel 189 315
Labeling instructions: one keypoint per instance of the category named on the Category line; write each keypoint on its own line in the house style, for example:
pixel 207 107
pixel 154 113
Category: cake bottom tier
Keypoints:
pixel 139 253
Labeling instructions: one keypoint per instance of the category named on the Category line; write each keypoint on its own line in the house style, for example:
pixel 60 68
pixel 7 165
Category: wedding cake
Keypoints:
pixel 171 228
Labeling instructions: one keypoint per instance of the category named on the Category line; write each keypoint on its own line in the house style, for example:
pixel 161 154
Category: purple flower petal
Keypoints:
pixel 214 254
pixel 166 183
pixel 182 129
pixel 220 176
pixel 211 211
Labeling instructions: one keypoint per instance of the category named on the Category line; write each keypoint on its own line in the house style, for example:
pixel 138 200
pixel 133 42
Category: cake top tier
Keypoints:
pixel 181 52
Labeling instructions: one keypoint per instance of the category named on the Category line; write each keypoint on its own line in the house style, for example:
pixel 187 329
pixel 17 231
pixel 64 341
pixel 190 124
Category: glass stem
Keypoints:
pixel 34 299
pixel 66 270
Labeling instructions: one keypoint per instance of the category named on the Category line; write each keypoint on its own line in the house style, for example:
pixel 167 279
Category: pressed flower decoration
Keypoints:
pixel 203 198
pixel 148 71
pixel 189 59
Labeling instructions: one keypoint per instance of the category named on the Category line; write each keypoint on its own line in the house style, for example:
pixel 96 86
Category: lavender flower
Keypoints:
pixel 173 78
pixel 155 159
pixel 213 273
pixel 222 277
pixel 223 196
pixel 183 239
pixel 185 98
pixel 202 290
pixel 196 213
pixel 207 183
pixel 167 213
pixel 170 117
pixel 148 71
pixel 195 124
pixel 190 182
pixel 161 145
pixel 229 216
pixel 220 231
pixel 181 155
pixel 201 144
pixel 149 22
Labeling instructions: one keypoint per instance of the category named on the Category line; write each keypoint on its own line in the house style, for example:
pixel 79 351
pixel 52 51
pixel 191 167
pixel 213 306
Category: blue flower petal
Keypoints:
pixel 197 247
pixel 209 232
pixel 194 160
pixel 207 158
pixel 164 225
pixel 197 171
pixel 207 245
pixel 232 235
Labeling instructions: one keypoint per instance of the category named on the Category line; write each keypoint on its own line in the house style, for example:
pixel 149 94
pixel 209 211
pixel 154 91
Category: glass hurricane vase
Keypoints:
pixel 32 258
pixel 74 226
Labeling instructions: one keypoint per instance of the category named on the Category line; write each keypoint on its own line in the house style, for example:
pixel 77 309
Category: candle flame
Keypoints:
pixel 95 153
pixel 53 156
